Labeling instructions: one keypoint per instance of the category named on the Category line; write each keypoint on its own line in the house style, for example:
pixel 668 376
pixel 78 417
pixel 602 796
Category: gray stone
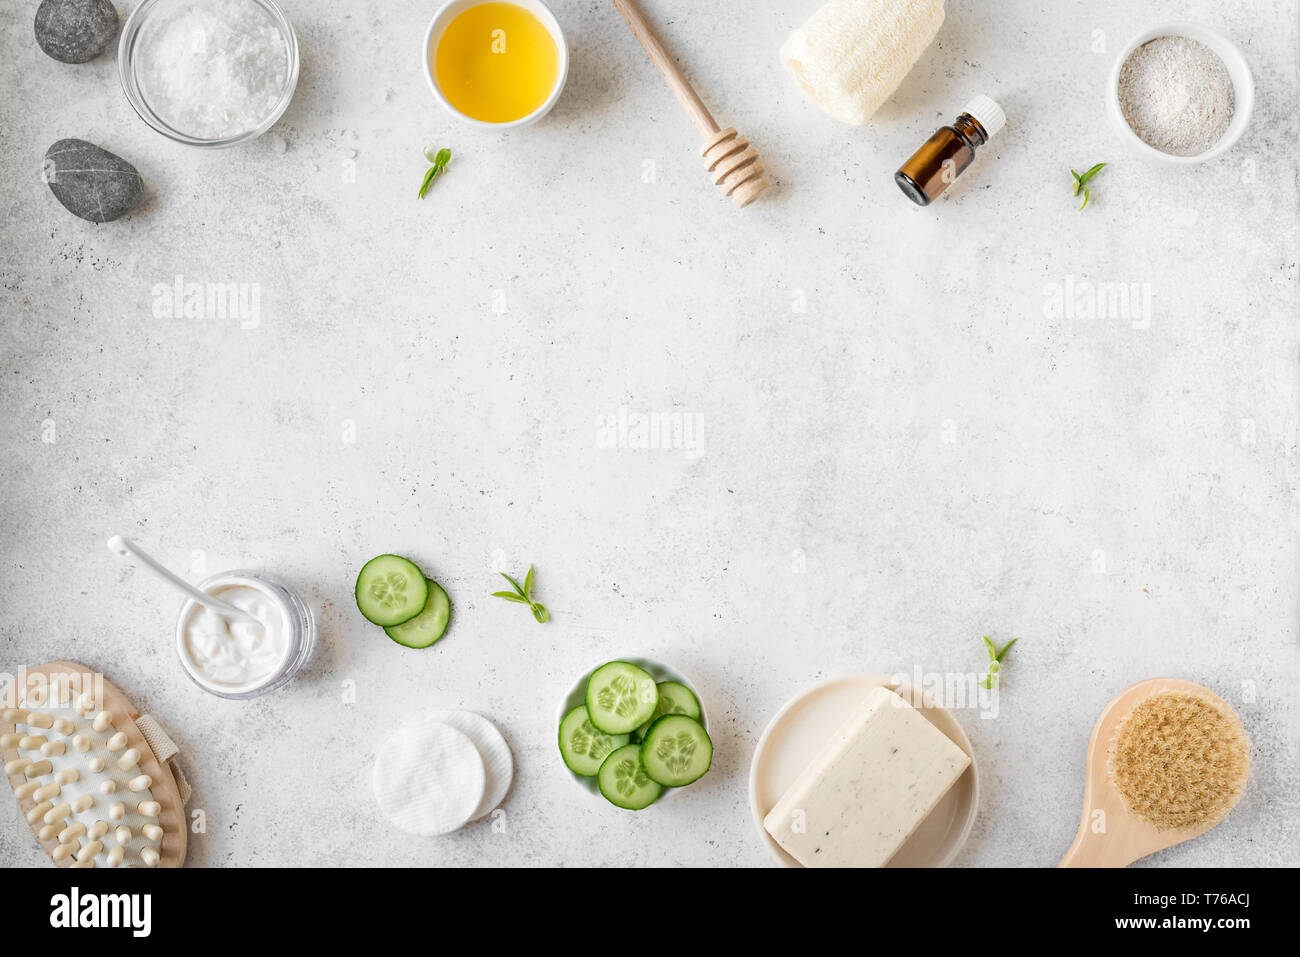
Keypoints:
pixel 91 182
pixel 74 31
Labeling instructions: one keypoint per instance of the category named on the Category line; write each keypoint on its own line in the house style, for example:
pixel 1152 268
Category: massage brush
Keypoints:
pixel 733 163
pixel 1168 759
pixel 96 781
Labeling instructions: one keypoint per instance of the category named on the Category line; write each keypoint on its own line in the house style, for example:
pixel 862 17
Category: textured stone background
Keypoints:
pixel 903 448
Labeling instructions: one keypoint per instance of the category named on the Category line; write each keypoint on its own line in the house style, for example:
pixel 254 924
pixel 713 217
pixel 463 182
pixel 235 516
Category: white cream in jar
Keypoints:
pixel 237 658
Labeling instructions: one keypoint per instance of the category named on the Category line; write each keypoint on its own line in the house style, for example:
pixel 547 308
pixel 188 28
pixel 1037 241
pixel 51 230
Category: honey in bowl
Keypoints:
pixel 496 62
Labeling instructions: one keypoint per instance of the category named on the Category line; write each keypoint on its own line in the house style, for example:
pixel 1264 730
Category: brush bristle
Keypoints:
pixel 1179 760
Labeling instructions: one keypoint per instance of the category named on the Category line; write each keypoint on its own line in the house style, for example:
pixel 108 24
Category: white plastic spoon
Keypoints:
pixel 125 548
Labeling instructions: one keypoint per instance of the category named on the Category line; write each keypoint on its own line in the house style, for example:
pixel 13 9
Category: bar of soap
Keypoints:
pixel 869 787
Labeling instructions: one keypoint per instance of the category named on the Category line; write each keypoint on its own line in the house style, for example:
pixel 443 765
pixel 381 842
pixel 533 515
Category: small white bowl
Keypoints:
pixel 453 8
pixel 577 695
pixel 797 732
pixel 1243 86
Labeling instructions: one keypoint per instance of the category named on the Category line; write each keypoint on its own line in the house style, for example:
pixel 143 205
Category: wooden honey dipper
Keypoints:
pixel 733 163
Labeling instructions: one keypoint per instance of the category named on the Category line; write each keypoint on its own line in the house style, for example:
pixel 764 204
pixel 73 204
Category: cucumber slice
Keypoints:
pixel 583 748
pixel 674 698
pixel 391 590
pixel 429 625
pixel 676 751
pixel 620 697
pixel 624 782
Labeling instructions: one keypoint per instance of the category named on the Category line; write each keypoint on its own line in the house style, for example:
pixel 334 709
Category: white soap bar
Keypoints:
pixel 869 788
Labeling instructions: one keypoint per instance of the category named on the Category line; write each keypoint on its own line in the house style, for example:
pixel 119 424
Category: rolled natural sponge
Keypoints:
pixel 852 55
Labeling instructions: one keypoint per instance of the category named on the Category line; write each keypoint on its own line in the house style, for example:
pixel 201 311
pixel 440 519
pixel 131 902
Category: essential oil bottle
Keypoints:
pixel 949 151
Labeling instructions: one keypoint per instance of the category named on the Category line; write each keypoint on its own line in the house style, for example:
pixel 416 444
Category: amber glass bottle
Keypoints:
pixel 951 149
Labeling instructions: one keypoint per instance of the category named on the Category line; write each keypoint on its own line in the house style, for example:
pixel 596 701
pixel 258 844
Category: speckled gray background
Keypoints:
pixel 903 447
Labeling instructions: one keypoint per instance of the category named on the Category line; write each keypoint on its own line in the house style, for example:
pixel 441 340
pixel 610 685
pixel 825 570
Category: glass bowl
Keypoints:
pixel 128 49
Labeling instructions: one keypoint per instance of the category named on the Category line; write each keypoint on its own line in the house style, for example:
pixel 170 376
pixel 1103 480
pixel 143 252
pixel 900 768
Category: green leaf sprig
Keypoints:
pixel 439 161
pixel 1081 183
pixel 523 595
pixel 995 661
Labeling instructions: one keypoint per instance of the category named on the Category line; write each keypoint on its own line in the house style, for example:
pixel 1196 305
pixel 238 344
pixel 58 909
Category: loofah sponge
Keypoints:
pixel 1179 760
pixel 851 55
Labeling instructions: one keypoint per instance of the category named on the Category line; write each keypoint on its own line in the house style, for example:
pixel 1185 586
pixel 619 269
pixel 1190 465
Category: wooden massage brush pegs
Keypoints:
pixel 96 781
pixel 733 163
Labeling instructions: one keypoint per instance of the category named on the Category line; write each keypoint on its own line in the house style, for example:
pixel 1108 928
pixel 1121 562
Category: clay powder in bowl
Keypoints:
pixel 1176 95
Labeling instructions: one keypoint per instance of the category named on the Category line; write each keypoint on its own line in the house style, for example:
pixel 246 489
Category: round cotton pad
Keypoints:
pixel 428 778
pixel 497 760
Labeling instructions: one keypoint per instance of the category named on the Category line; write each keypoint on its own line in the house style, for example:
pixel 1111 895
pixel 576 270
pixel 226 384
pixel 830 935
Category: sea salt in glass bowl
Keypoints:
pixel 1243 91
pixel 129 65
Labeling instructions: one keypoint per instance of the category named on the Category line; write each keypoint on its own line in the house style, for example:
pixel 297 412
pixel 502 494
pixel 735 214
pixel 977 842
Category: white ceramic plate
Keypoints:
pixel 577 695
pixel 805 723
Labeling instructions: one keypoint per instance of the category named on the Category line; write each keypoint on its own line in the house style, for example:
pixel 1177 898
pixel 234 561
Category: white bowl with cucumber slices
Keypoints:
pixel 657 729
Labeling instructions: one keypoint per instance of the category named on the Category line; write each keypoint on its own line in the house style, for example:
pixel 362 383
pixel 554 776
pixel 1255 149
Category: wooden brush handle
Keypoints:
pixel 667 67
pixel 1091 849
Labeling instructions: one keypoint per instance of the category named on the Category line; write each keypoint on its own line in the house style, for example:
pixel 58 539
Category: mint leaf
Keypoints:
pixel 995 661
pixel 439 161
pixel 1080 182
pixel 523 595
pixel 1092 171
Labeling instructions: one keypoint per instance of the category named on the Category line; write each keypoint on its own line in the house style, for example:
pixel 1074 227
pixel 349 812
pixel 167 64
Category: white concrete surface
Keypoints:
pixel 901 444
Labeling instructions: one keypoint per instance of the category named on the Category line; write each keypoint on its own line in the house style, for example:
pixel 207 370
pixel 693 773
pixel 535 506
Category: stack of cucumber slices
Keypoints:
pixel 635 736
pixel 393 593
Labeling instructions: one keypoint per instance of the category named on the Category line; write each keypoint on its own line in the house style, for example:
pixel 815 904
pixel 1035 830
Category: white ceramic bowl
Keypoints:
pixel 577 694
pixel 453 8
pixel 1243 86
pixel 802 726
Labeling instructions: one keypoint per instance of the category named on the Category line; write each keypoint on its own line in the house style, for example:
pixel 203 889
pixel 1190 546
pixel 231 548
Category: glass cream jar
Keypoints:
pixel 244 659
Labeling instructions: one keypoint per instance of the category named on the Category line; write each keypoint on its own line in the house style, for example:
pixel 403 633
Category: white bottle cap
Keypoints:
pixel 988 113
